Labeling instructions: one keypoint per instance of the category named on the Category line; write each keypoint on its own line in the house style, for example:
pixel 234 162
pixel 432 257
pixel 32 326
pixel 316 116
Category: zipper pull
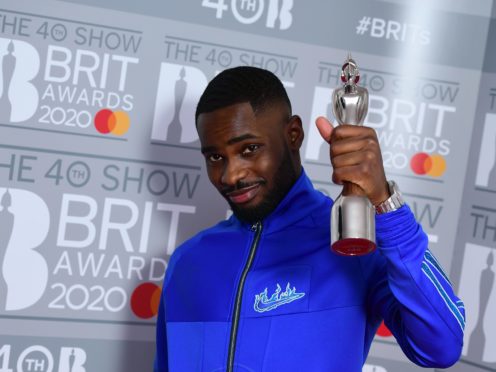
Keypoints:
pixel 255 226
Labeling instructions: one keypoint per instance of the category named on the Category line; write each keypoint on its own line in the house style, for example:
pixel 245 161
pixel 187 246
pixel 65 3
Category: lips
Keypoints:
pixel 243 195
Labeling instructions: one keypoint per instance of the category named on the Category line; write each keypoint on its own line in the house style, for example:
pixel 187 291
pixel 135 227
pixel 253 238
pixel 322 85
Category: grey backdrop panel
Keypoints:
pixel 90 213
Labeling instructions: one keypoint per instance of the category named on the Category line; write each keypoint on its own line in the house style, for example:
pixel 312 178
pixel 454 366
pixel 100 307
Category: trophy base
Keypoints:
pixel 353 247
pixel 352 226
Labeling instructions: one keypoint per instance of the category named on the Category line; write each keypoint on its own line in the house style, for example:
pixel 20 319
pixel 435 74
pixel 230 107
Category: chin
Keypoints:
pixel 254 213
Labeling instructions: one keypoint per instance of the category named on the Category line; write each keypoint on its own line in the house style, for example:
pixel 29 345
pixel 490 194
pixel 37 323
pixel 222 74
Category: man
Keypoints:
pixel 262 291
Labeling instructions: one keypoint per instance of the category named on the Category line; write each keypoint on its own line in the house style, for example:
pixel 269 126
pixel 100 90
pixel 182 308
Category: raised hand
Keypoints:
pixel 356 158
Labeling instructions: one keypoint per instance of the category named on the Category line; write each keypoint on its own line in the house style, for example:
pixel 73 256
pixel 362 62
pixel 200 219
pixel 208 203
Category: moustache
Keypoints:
pixel 241 185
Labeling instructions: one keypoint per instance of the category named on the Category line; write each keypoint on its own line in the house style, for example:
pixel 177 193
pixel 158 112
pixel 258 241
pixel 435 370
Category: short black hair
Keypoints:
pixel 242 84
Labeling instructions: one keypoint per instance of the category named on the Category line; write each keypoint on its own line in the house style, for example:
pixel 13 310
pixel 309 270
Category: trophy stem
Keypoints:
pixel 352 225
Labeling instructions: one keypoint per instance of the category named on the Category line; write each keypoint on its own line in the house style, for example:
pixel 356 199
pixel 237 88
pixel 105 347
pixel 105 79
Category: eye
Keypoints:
pixel 250 149
pixel 214 158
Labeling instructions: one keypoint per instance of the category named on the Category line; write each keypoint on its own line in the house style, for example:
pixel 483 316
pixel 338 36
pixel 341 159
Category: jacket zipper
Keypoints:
pixel 257 228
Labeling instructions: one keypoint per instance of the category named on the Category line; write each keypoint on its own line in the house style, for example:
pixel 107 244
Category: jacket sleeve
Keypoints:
pixel 161 363
pixel 413 294
pixel 161 359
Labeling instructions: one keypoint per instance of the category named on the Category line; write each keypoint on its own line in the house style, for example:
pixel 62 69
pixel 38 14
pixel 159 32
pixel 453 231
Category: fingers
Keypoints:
pixel 348 174
pixel 355 158
pixel 356 168
pixel 351 138
pixel 353 144
pixel 324 127
pixel 366 175
pixel 348 131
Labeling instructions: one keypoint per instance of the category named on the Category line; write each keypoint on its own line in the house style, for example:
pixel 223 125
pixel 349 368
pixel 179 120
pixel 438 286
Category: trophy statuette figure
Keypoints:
pixel 352 215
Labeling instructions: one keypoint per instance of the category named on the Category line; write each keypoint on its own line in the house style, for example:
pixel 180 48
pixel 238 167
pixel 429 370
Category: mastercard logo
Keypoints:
pixel 106 121
pixel 429 165
pixel 145 300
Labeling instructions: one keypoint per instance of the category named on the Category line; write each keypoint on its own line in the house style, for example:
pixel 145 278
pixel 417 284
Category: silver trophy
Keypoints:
pixel 352 215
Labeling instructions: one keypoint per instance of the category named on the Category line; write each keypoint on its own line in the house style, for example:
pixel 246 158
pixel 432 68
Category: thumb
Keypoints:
pixel 325 127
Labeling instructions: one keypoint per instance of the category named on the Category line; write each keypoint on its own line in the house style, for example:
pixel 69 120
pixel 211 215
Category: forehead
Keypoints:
pixel 238 119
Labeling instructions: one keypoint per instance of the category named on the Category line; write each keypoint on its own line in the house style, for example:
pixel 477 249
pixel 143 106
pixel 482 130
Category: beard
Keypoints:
pixel 284 178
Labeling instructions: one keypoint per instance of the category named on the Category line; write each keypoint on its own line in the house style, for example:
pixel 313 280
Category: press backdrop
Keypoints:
pixel 101 176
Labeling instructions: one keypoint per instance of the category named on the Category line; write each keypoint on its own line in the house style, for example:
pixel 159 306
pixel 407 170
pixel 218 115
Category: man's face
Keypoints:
pixel 248 157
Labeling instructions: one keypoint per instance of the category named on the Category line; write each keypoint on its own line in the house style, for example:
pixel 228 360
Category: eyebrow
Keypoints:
pixel 231 141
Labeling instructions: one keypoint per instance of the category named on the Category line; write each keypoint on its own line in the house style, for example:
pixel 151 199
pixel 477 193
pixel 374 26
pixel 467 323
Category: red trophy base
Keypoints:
pixel 353 247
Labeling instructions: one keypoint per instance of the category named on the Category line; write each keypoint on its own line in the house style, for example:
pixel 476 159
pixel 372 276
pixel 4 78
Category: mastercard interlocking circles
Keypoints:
pixel 145 300
pixel 108 121
pixel 430 165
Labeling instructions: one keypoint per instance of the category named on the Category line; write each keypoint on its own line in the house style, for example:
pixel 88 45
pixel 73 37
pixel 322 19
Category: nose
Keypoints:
pixel 234 171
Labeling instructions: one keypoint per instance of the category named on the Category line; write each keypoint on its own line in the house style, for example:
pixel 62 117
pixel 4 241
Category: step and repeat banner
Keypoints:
pixel 101 175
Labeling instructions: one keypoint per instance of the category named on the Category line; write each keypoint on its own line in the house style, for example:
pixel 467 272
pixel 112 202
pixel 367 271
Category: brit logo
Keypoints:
pixel 263 303
pixel 24 225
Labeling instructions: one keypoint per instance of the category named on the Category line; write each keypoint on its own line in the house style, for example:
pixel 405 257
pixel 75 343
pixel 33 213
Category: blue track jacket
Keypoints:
pixel 273 297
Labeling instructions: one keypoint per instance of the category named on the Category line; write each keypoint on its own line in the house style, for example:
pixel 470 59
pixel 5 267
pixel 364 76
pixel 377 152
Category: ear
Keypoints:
pixel 295 134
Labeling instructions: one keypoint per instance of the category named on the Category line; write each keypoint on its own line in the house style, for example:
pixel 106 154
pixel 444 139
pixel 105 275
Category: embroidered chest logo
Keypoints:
pixel 263 303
